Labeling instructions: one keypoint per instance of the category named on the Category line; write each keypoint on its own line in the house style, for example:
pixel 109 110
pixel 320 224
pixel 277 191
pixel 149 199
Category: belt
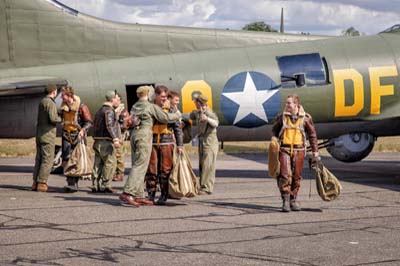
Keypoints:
pixel 292 146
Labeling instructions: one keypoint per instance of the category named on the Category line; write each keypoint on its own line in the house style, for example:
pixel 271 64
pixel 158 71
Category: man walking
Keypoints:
pixel 291 128
pixel 77 120
pixel 45 139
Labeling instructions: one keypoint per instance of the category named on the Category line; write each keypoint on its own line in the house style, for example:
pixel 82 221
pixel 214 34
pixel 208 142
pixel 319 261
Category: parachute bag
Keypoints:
pixel 80 163
pixel 274 166
pixel 182 181
pixel 328 186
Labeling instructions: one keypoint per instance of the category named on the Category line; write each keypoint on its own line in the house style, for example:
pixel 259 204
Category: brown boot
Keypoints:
pixel 42 187
pixel 128 200
pixel 118 178
pixel 143 201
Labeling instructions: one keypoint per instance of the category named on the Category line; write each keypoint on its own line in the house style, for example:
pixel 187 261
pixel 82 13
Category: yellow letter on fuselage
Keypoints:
pixel 340 92
pixel 378 90
pixel 189 88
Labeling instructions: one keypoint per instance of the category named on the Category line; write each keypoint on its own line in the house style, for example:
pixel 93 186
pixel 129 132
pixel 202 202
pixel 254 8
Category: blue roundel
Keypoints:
pixel 250 99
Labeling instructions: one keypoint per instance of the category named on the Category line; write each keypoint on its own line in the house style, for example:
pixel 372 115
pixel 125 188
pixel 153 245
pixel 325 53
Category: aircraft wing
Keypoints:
pixel 19 101
pixel 19 86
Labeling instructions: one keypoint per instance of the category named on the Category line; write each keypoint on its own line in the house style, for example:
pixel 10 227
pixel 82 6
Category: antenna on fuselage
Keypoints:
pixel 282 30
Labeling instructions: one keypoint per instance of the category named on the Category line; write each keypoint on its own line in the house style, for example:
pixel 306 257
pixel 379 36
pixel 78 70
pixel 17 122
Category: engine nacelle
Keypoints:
pixel 351 147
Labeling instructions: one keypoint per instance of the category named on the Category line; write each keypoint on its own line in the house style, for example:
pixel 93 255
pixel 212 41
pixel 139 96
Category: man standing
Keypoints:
pixel 207 123
pixel 143 114
pixel 76 122
pixel 45 139
pixel 161 159
pixel 123 124
pixel 106 140
pixel 291 128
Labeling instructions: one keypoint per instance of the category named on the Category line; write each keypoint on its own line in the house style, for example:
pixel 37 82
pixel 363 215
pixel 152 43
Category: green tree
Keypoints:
pixel 259 26
pixel 351 32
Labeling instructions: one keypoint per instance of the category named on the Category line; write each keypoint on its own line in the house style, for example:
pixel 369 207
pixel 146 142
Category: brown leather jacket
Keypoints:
pixel 105 123
pixel 124 120
pixel 309 129
pixel 84 117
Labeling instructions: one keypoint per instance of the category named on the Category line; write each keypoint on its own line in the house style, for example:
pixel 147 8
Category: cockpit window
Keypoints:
pixel 302 69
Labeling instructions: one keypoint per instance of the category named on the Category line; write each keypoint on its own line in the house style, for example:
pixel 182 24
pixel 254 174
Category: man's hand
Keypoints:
pixel 179 150
pixel 82 133
pixel 203 117
pixel 117 144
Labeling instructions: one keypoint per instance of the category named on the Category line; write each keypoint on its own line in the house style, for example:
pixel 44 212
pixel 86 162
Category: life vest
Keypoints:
pixel 70 115
pixel 161 129
pixel 292 133
pixel 70 121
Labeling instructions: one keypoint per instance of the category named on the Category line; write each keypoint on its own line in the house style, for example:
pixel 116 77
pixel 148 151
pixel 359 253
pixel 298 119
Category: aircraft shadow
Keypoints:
pixel 16 169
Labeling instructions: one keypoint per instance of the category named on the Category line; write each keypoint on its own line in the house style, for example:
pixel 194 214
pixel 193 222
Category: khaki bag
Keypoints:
pixel 274 166
pixel 80 163
pixel 328 186
pixel 182 181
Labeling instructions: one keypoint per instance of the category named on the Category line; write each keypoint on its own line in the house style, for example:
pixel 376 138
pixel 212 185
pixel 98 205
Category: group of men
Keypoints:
pixel 156 134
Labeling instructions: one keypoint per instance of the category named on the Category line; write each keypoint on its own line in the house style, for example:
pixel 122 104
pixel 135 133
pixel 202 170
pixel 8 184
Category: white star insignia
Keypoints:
pixel 250 100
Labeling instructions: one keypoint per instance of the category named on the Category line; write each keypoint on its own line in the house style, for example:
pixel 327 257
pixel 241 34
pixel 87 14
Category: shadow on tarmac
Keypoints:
pixel 109 201
pixel 248 206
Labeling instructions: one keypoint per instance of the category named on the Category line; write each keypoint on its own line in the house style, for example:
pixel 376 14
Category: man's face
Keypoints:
pixel 118 99
pixel 160 99
pixel 200 106
pixel 66 98
pixel 290 105
pixel 174 101
pixel 115 101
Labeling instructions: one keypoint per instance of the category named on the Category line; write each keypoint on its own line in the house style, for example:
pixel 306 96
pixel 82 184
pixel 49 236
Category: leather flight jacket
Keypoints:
pixel 105 123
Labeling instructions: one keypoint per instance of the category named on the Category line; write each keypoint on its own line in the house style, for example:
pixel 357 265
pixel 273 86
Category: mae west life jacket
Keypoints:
pixel 161 129
pixel 292 133
pixel 70 115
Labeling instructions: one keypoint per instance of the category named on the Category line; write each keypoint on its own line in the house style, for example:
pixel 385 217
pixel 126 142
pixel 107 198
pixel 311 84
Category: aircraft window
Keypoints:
pixel 302 69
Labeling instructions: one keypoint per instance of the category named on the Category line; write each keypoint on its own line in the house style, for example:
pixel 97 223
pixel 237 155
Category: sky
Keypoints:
pixel 328 17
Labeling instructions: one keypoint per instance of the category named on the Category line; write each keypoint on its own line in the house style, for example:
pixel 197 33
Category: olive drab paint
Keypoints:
pixel 377 90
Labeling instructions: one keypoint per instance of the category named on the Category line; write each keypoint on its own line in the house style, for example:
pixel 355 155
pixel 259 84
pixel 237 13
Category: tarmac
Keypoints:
pixel 239 224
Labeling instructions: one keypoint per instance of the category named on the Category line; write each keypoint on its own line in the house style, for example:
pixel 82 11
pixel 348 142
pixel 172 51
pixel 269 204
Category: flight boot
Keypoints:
pixel 42 187
pixel 151 196
pixel 162 200
pixel 294 205
pixel 72 185
pixel 286 203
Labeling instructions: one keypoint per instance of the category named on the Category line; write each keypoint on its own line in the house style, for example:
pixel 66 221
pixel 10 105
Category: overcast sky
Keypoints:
pixel 314 16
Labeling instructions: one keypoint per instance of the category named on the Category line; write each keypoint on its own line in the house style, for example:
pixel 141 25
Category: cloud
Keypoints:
pixel 317 17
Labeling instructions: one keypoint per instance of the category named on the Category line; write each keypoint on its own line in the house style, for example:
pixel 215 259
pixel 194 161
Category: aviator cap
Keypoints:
pixel 201 98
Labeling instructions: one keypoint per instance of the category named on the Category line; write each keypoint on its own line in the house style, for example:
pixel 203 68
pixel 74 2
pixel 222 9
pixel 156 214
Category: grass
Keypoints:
pixel 27 147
